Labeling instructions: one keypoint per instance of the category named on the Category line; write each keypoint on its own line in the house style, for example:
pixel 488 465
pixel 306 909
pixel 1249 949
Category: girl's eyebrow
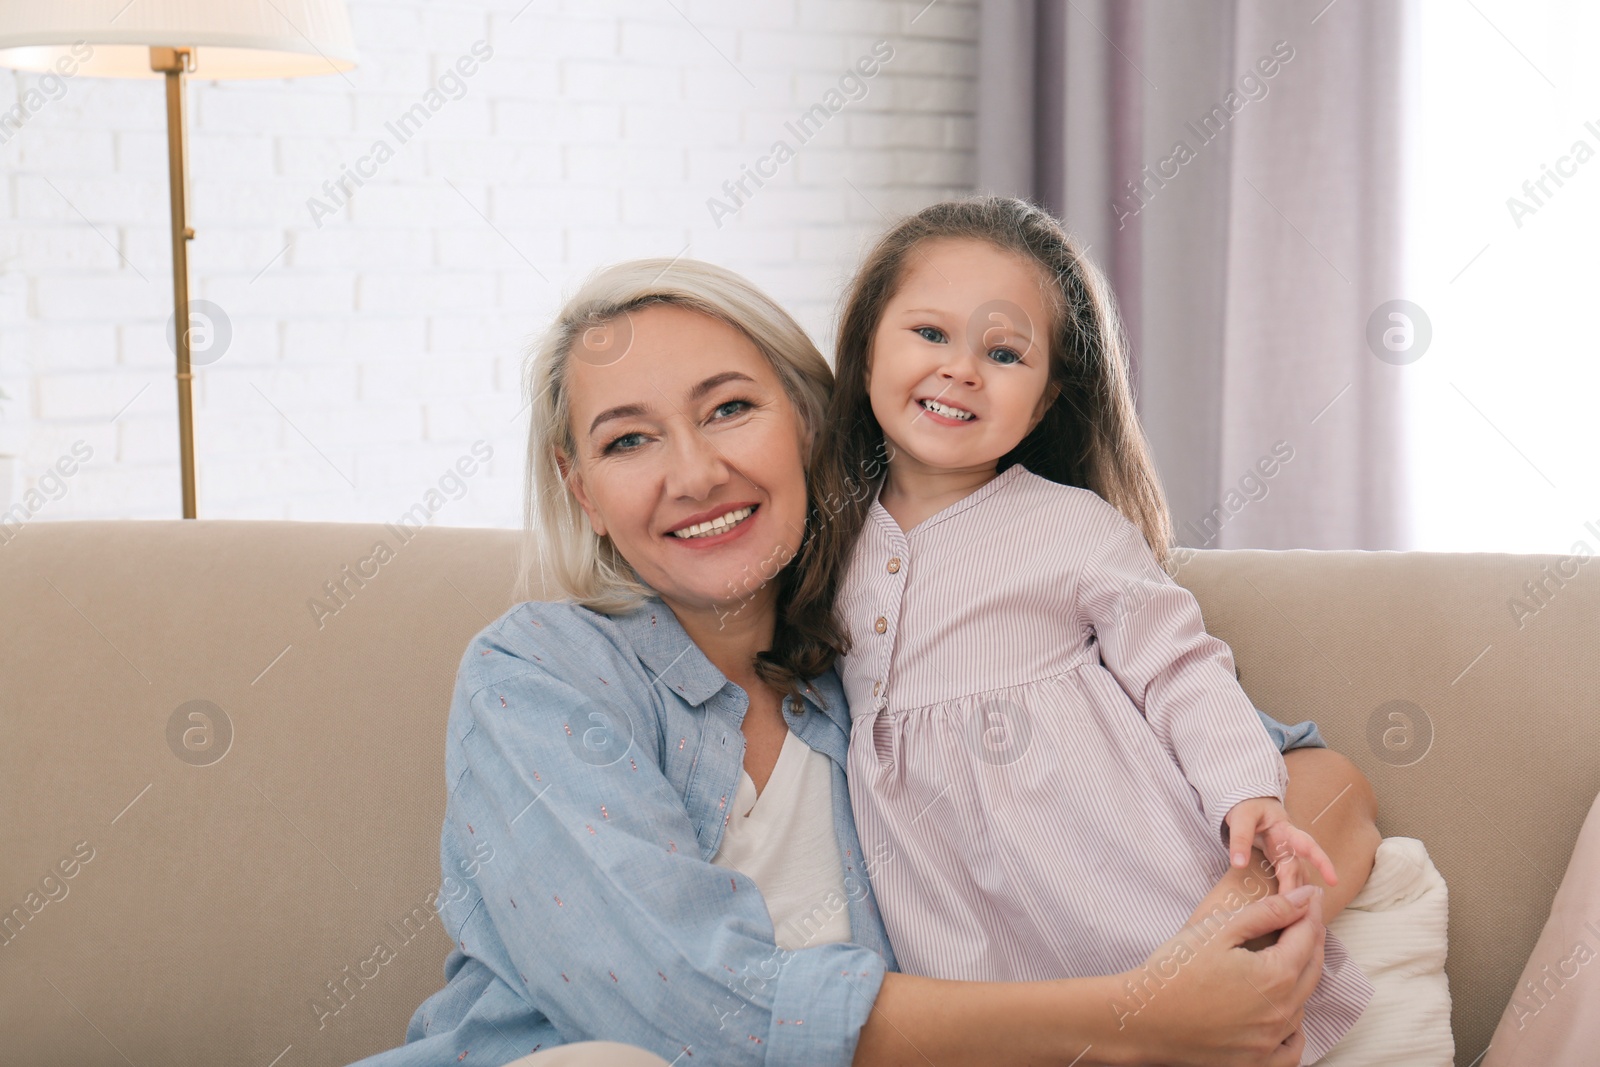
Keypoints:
pixel 1013 328
pixel 1009 327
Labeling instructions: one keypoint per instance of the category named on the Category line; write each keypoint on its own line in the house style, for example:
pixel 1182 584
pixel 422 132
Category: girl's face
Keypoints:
pixel 690 425
pixel 960 360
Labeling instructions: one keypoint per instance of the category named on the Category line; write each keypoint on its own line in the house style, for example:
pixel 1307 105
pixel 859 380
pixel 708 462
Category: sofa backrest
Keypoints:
pixel 222 763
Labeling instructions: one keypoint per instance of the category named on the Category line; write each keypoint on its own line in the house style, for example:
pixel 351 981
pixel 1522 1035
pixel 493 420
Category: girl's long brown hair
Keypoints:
pixel 1089 437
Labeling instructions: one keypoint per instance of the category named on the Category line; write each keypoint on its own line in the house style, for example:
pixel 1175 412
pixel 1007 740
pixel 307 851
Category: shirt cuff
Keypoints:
pixel 1287 738
pixel 824 997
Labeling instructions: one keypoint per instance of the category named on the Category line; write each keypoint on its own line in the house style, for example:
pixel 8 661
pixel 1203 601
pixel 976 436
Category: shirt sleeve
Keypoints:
pixel 1288 738
pixel 1153 640
pixel 610 922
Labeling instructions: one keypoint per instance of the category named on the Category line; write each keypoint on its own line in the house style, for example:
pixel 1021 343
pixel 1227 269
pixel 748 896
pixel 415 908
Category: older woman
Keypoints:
pixel 648 838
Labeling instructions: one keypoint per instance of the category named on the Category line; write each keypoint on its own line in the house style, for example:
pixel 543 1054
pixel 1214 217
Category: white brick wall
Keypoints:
pixel 382 343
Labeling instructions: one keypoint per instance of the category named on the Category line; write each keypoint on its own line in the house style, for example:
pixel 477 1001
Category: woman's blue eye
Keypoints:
pixel 618 444
pixel 924 331
pixel 1012 356
pixel 613 446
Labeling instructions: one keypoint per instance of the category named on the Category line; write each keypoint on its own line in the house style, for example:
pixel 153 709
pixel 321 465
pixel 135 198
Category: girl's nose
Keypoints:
pixel 960 365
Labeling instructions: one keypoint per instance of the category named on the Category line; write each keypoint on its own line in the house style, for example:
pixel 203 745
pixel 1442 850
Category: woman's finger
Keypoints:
pixel 1288 1054
pixel 1277 912
pixel 1301 943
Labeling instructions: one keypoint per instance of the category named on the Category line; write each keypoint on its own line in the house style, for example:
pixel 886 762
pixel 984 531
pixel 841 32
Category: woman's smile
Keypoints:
pixel 724 525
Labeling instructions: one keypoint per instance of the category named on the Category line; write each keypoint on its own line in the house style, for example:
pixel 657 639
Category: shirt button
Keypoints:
pixel 894 565
pixel 875 687
pixel 881 625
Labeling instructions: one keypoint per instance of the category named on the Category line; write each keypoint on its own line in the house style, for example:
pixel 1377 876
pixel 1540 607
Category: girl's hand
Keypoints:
pixel 1264 823
pixel 1203 1001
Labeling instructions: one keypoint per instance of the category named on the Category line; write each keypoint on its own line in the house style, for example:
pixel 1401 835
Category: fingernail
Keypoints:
pixel 1299 896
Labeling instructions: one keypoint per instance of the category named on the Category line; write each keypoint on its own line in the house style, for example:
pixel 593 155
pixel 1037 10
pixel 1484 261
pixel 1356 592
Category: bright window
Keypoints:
pixel 1504 407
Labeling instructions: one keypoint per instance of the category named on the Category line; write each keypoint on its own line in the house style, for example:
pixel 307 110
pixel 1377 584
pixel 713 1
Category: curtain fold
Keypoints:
pixel 1236 167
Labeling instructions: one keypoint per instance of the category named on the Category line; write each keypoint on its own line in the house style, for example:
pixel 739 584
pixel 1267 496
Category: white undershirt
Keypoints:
pixel 784 841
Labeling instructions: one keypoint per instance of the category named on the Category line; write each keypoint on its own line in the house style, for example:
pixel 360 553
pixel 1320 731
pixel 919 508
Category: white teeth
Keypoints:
pixel 715 526
pixel 945 410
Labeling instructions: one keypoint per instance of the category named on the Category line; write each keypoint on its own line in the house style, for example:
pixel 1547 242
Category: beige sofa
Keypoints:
pixel 223 910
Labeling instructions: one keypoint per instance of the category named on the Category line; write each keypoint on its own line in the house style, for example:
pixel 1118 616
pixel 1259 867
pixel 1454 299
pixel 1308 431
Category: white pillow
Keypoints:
pixel 1395 930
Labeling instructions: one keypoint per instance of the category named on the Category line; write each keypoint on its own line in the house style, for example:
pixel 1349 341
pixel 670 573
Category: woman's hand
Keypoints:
pixel 1199 1001
pixel 1202 1000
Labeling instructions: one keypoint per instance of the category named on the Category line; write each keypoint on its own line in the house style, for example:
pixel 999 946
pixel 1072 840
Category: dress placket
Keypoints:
pixel 891 587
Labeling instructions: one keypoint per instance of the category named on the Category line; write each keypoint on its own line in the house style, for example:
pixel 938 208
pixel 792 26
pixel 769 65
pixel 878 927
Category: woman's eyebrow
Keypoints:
pixel 628 411
pixel 717 379
pixel 621 411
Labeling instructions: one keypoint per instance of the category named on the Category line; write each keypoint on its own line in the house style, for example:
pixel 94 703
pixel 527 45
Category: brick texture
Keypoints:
pixel 380 255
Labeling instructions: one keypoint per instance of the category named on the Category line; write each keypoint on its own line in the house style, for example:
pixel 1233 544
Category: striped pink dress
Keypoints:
pixel 1046 741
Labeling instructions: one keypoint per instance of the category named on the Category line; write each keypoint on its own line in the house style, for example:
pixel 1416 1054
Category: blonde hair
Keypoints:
pixel 558 540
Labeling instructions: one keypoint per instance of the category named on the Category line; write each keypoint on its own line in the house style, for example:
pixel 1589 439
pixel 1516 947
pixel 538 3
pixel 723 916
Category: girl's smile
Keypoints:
pixel 946 413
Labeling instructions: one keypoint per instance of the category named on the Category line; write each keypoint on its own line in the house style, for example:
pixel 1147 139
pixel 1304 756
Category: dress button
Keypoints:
pixel 894 565
pixel 881 625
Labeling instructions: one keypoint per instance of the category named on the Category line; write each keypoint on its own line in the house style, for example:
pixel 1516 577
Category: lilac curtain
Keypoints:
pixel 1236 167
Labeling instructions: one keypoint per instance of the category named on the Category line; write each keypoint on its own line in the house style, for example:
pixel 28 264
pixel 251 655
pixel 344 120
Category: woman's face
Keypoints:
pixel 689 425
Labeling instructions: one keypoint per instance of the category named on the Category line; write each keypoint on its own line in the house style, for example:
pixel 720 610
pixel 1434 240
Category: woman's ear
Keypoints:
pixel 574 482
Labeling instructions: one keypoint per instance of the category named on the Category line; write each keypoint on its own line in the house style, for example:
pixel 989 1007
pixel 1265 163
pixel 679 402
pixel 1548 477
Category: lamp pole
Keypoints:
pixel 174 63
pixel 220 39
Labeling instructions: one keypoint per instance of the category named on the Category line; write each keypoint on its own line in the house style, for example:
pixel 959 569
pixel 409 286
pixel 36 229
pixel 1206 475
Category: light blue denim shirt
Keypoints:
pixel 590 762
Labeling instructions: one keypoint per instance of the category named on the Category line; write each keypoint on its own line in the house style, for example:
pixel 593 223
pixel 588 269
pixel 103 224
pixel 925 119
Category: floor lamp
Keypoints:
pixel 173 39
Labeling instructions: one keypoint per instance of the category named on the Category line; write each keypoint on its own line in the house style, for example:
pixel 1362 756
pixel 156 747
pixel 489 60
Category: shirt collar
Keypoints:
pixel 661 643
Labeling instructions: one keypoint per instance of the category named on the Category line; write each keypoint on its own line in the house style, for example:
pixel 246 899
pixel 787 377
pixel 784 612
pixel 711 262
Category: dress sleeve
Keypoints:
pixel 1153 640
pixel 613 924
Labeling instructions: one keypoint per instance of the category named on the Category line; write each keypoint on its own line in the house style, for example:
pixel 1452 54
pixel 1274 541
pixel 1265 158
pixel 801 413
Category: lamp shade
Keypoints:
pixel 229 38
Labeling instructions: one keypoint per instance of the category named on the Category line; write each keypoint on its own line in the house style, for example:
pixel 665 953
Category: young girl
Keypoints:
pixel 1048 749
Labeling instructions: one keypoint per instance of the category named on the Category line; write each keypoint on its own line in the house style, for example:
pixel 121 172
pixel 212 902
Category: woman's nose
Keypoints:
pixel 697 466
